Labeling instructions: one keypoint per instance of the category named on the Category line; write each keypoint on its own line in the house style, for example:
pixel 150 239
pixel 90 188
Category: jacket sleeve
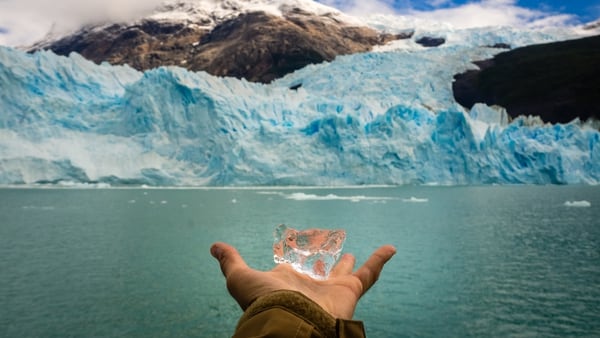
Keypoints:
pixel 291 314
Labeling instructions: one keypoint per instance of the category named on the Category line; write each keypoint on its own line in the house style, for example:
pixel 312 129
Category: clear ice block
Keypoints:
pixel 313 252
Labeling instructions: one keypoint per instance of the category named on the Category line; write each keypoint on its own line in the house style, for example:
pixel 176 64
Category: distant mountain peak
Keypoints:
pixel 259 40
pixel 212 12
pixel 206 14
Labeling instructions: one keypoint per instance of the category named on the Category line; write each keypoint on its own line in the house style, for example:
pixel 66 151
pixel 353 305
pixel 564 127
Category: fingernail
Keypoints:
pixel 216 251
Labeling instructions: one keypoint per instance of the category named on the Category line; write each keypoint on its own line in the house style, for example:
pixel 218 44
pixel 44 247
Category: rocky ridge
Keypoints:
pixel 556 81
pixel 241 39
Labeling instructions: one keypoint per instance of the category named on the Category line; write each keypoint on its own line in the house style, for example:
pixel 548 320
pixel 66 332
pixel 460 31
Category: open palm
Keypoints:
pixel 338 295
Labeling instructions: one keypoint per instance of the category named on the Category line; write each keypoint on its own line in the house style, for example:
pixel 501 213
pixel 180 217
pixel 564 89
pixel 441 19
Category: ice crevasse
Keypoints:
pixel 384 117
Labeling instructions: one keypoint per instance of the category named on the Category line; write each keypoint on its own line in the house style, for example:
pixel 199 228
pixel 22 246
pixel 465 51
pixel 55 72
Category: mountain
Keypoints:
pixel 257 41
pixel 557 81
pixel 386 116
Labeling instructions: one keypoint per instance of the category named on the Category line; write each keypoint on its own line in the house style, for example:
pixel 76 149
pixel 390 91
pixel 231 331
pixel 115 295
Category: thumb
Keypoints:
pixel 228 257
pixel 369 272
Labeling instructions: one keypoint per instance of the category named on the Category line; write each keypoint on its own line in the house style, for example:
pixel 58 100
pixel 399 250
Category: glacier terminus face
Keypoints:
pixel 383 117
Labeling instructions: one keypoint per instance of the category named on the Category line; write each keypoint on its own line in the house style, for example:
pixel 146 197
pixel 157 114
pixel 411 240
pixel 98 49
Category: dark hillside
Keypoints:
pixel 556 81
pixel 255 46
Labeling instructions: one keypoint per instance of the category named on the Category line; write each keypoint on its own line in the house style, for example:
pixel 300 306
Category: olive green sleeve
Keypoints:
pixel 291 314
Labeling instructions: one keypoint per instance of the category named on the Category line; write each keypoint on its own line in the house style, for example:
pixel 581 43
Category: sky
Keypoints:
pixel 469 13
pixel 583 10
pixel 23 22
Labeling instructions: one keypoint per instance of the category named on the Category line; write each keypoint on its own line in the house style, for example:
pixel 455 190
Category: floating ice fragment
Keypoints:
pixel 34 207
pixel 300 196
pixel 415 200
pixel 313 252
pixel 580 204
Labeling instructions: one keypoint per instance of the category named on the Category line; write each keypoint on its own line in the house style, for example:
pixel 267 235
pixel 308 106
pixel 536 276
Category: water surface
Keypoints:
pixel 472 261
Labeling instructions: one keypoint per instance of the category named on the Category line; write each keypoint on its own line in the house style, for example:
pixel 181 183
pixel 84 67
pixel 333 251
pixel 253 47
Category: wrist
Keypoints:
pixel 305 309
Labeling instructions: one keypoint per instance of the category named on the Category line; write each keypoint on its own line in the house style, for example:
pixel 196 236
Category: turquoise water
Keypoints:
pixel 472 261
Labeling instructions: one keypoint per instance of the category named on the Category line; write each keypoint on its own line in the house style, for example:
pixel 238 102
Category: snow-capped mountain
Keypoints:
pixel 211 13
pixel 258 40
pixel 207 14
pixel 386 116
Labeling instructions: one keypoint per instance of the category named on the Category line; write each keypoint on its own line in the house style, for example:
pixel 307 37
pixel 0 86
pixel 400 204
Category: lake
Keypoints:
pixel 471 262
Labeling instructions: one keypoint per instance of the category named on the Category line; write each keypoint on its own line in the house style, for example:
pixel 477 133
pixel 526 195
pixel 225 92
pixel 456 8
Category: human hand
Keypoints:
pixel 338 295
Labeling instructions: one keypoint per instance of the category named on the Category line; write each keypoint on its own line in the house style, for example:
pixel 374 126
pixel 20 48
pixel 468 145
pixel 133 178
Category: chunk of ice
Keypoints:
pixel 313 252
pixel 578 204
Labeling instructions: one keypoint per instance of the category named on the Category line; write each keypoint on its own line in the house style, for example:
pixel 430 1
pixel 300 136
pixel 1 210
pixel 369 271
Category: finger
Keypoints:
pixel 228 257
pixel 344 266
pixel 369 272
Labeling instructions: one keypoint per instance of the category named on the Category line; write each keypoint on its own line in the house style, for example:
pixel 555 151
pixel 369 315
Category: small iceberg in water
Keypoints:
pixel 300 196
pixel 578 204
pixel 415 200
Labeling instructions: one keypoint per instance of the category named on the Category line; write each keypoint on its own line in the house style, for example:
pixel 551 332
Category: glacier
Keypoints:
pixel 386 117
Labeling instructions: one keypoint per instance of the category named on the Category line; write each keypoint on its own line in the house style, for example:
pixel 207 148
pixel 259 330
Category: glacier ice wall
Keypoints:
pixel 373 118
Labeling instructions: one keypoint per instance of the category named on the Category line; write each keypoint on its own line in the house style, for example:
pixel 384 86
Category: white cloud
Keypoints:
pixel 494 13
pixel 362 7
pixel 26 21
pixel 472 14
pixel 559 20
pixel 23 22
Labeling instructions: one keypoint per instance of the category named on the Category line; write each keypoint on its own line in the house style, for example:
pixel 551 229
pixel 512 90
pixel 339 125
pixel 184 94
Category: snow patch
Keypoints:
pixel 209 13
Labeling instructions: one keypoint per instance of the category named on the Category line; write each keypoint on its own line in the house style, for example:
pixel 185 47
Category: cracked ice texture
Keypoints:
pixel 380 118
pixel 313 252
